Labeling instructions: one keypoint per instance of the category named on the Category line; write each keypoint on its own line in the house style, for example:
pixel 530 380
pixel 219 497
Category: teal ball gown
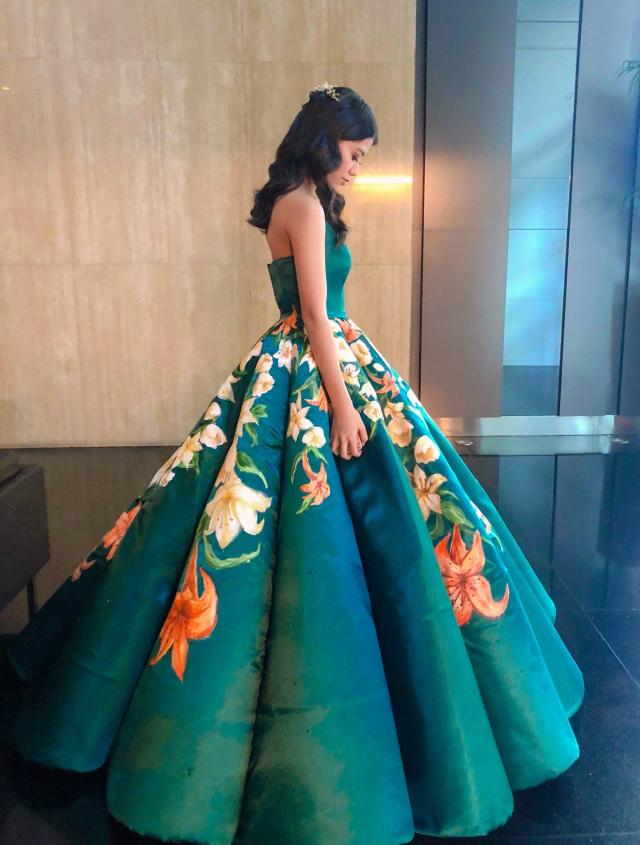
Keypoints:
pixel 274 645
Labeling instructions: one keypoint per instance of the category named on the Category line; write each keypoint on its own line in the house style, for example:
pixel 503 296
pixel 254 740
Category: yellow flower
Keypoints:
pixel 308 359
pixel 285 353
pixel 362 353
pixel 212 411
pixel 424 487
pixel 180 458
pixel 212 436
pixel 350 374
pixel 368 391
pixel 263 384
pixel 399 427
pixel 314 437
pixel 164 475
pixel 187 450
pixel 297 418
pixel 345 353
pixel 253 351
pixel 226 391
pixel 425 450
pixel 264 362
pixel 373 410
pixel 245 416
pixel 235 508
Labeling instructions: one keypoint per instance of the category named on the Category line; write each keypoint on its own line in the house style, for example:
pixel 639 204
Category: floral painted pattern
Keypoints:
pixel 234 508
pixel 405 422
pixel 241 498
pixel 206 434
pixel 111 540
pixel 351 358
pixel 468 590
pixel 192 616
pixel 316 489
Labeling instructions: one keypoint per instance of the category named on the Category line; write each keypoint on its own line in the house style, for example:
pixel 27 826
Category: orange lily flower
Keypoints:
pixel 113 537
pixel 317 488
pixel 320 401
pixel 467 589
pixel 350 333
pixel 388 382
pixel 288 323
pixel 191 617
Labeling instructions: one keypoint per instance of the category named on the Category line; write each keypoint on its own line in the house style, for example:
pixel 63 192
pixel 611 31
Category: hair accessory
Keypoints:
pixel 329 90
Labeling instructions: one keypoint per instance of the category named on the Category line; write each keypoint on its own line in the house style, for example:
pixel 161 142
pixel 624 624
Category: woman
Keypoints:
pixel 312 626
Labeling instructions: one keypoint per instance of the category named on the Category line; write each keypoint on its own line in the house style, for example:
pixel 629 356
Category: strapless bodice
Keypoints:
pixel 282 272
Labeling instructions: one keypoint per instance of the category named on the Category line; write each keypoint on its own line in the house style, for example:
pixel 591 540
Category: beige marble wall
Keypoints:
pixel 133 134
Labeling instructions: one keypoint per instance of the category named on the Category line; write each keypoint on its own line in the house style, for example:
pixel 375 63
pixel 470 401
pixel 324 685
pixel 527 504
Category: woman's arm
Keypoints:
pixel 306 230
pixel 307 233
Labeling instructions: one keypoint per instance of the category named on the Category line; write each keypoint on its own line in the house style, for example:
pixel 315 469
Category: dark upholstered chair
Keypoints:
pixel 24 532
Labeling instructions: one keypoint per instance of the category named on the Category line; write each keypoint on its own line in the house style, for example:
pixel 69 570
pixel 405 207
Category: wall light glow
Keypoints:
pixel 382 181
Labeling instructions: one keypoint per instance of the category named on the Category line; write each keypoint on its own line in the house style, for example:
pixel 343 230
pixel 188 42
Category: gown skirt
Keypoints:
pixel 274 645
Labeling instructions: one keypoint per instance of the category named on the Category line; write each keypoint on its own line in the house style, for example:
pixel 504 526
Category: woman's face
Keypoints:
pixel 352 154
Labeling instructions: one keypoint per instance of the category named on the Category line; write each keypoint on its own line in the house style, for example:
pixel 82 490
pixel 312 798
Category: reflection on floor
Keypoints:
pixel 576 516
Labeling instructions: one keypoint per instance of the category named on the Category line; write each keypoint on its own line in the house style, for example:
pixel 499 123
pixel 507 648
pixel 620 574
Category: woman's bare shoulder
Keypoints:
pixel 290 212
pixel 296 202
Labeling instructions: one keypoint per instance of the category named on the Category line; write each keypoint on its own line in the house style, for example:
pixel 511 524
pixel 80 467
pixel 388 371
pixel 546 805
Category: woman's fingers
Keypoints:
pixel 346 448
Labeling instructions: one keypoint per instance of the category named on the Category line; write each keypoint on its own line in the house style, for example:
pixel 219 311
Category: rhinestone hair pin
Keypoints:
pixel 328 89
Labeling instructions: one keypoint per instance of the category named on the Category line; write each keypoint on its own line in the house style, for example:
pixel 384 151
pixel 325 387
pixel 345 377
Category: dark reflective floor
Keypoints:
pixel 577 518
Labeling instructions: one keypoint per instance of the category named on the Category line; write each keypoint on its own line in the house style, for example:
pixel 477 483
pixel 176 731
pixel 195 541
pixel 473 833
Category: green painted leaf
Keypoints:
pixel 259 411
pixel 310 381
pixel 448 493
pixel 437 530
pixel 225 563
pixel 295 463
pixel 318 454
pixel 304 506
pixel 454 514
pixel 245 463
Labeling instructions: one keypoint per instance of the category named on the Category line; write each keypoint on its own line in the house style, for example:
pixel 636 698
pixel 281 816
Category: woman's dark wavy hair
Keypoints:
pixel 310 148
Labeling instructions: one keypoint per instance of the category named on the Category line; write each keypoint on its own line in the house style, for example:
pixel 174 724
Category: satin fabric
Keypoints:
pixel 274 645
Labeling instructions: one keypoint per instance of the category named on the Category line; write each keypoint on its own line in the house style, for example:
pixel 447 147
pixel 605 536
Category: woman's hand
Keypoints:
pixel 348 432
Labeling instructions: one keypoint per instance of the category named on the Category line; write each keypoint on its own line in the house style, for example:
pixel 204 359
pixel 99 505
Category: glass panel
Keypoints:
pixel 544 84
